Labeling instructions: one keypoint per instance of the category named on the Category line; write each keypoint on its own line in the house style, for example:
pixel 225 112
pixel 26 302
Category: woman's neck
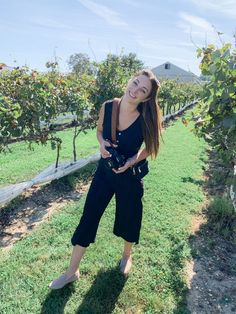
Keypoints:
pixel 127 106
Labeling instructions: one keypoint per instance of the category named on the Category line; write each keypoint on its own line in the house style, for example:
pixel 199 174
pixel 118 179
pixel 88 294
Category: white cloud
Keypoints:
pixel 196 21
pixel 201 31
pixel 110 16
pixel 223 7
pixel 50 23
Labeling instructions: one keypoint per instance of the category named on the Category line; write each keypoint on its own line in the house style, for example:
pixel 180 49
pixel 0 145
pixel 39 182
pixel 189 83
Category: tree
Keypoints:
pixel 112 76
pixel 80 63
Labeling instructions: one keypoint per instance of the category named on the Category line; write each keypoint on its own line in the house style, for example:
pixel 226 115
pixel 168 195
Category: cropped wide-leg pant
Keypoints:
pixel 128 191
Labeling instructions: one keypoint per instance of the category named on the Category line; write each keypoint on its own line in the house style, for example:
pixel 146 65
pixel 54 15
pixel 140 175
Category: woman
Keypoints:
pixel 139 120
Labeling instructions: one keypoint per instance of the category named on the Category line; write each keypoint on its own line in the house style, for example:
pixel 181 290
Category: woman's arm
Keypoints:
pixel 99 125
pixel 100 138
pixel 141 154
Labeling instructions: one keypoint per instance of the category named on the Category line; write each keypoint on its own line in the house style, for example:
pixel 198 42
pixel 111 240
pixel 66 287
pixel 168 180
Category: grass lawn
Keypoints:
pixel 23 164
pixel 156 284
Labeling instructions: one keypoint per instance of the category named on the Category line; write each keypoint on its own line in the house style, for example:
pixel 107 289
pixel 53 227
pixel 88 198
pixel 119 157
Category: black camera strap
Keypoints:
pixel 115 118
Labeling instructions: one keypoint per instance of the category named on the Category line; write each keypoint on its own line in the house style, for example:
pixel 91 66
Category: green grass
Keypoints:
pixel 23 164
pixel 156 284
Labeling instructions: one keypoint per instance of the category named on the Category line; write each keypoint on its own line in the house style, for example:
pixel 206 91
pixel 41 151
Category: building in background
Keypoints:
pixel 170 71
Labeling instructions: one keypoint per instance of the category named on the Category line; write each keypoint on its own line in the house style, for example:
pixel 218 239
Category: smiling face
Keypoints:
pixel 138 89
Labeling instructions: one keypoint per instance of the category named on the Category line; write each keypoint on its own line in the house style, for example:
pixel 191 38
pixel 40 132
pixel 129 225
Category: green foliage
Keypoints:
pixel 9 113
pixel 216 113
pixel 112 76
pixel 80 64
pixel 174 95
pixel 29 101
pixel 222 216
pixel 36 97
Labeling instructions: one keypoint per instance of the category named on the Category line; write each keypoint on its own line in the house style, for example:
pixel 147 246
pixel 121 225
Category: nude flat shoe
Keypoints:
pixel 125 265
pixel 62 281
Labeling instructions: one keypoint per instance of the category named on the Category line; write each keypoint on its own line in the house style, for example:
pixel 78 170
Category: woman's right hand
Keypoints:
pixel 103 151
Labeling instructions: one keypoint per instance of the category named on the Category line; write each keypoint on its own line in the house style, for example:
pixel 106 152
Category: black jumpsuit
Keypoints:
pixel 127 188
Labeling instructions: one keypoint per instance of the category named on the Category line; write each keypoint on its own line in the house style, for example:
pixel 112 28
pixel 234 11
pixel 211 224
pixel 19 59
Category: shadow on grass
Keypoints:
pixel 194 181
pixel 176 279
pixel 100 299
pixel 56 300
pixel 104 293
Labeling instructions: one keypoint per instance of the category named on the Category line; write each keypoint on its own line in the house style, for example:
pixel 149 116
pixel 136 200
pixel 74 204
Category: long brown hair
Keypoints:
pixel 152 116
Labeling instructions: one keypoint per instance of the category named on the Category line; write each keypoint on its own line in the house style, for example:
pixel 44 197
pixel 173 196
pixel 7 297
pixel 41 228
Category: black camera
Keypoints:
pixel 116 160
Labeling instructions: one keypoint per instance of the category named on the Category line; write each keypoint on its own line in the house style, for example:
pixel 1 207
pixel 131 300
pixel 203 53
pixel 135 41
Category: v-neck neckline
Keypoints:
pixel 129 125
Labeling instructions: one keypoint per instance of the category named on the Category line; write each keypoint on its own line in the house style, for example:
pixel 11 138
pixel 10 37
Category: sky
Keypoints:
pixel 33 32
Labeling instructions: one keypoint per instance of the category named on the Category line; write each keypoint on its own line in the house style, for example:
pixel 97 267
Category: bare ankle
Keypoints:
pixel 126 255
pixel 71 272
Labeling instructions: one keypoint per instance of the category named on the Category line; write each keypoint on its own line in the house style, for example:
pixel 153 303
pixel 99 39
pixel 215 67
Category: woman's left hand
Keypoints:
pixel 123 168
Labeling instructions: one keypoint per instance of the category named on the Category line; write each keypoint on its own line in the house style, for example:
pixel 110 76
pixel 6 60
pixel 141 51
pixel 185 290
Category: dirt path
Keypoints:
pixel 211 274
pixel 33 207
